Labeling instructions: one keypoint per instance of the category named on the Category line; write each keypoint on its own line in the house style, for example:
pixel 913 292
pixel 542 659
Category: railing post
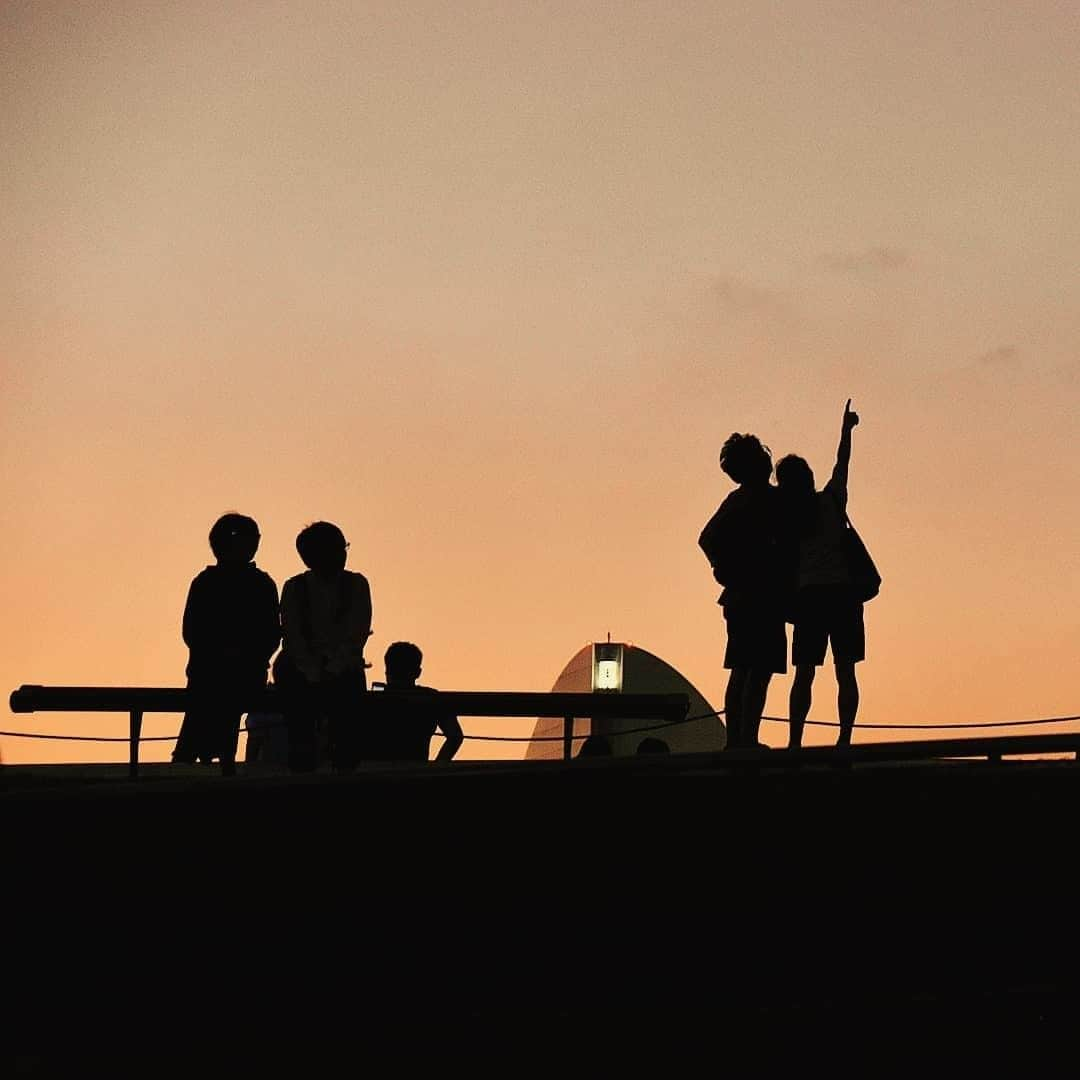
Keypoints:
pixel 567 737
pixel 134 731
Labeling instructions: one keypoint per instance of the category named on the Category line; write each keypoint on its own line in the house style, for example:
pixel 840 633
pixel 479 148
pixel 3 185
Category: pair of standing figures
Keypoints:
pixel 786 553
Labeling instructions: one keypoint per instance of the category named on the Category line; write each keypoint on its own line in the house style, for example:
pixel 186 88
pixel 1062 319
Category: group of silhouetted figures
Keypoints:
pixel 787 553
pixel 233 625
pixel 784 553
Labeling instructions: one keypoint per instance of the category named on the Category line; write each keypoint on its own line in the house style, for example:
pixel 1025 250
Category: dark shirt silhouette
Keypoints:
pixel 740 542
pixel 404 733
pixel 231 623
pixel 231 628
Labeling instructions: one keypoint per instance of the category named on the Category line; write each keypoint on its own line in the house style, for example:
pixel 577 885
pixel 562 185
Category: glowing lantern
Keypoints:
pixel 607 667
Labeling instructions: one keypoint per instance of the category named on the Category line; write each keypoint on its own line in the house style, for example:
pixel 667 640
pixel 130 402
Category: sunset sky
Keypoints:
pixel 489 284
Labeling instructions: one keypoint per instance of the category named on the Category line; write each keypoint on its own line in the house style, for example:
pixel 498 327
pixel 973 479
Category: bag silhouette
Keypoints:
pixel 864 574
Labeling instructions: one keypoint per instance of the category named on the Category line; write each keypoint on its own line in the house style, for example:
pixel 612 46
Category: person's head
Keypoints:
pixel 652 745
pixel 595 746
pixel 322 547
pixel 746 460
pixel 794 475
pixel 234 539
pixel 403 662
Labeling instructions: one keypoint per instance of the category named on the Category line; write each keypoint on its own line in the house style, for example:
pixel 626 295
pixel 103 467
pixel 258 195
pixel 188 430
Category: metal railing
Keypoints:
pixel 667 709
pixel 138 700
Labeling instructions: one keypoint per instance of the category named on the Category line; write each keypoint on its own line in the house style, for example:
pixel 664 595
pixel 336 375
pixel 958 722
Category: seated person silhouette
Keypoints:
pixel 267 737
pixel 326 620
pixel 231 629
pixel 404 733
pixel 595 746
pixel 652 745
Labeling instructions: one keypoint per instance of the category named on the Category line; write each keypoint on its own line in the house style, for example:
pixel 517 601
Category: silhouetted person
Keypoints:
pixel 326 620
pixel 827 609
pixel 267 735
pixel 231 629
pixel 595 746
pixel 406 733
pixel 652 745
pixel 741 542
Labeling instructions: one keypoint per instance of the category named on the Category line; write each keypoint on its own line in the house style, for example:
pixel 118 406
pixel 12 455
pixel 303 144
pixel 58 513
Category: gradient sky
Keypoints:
pixel 489 284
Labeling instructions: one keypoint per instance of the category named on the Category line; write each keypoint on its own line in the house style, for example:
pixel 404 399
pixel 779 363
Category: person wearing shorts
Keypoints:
pixel 741 543
pixel 826 610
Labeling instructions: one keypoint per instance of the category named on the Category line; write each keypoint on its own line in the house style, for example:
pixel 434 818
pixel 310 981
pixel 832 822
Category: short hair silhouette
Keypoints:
pixel 745 459
pixel 595 746
pixel 317 541
pixel 234 534
pixel 403 659
pixel 794 472
pixel 653 745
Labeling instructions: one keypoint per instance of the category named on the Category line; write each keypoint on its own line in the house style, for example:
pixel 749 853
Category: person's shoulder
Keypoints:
pixel 295 582
pixel 261 575
pixel 730 502
pixel 357 580
pixel 207 575
pixel 833 490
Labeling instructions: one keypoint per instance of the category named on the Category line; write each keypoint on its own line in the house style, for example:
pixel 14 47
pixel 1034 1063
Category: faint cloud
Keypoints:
pixel 739 297
pixel 1002 356
pixel 871 260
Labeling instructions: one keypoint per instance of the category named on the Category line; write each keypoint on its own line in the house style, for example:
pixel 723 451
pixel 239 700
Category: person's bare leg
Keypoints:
pixel 799 703
pixel 847 701
pixel 753 704
pixel 733 707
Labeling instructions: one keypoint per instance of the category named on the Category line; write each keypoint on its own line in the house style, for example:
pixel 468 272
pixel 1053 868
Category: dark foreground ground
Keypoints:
pixel 587 915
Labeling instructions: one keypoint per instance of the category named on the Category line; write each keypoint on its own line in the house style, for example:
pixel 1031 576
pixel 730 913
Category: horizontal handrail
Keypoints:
pixel 670 707
pixel 137 700
pixel 993 747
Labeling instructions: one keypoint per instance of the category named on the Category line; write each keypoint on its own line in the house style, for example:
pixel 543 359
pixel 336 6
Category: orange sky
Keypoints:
pixel 488 284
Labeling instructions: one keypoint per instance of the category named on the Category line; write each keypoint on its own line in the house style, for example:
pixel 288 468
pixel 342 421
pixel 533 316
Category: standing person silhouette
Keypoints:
pixel 741 542
pixel 326 620
pixel 231 629
pixel 827 610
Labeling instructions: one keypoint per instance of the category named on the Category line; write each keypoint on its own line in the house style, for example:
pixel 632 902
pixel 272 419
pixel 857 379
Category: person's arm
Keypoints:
pixel 451 729
pixel 712 543
pixel 269 619
pixel 839 480
pixel 194 627
pixel 359 624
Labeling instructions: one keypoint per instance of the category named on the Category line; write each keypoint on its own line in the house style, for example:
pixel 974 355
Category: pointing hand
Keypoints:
pixel 851 418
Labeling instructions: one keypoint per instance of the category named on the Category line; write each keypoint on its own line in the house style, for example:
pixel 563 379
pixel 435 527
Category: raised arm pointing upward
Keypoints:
pixel 843 454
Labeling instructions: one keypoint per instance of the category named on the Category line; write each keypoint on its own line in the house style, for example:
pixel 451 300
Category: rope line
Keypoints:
pixel 632 731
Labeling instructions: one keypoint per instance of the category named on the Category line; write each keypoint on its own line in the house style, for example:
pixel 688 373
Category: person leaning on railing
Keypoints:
pixel 326 620
pixel 231 628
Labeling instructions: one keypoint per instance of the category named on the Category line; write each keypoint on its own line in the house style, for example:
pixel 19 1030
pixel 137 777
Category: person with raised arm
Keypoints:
pixel 827 607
